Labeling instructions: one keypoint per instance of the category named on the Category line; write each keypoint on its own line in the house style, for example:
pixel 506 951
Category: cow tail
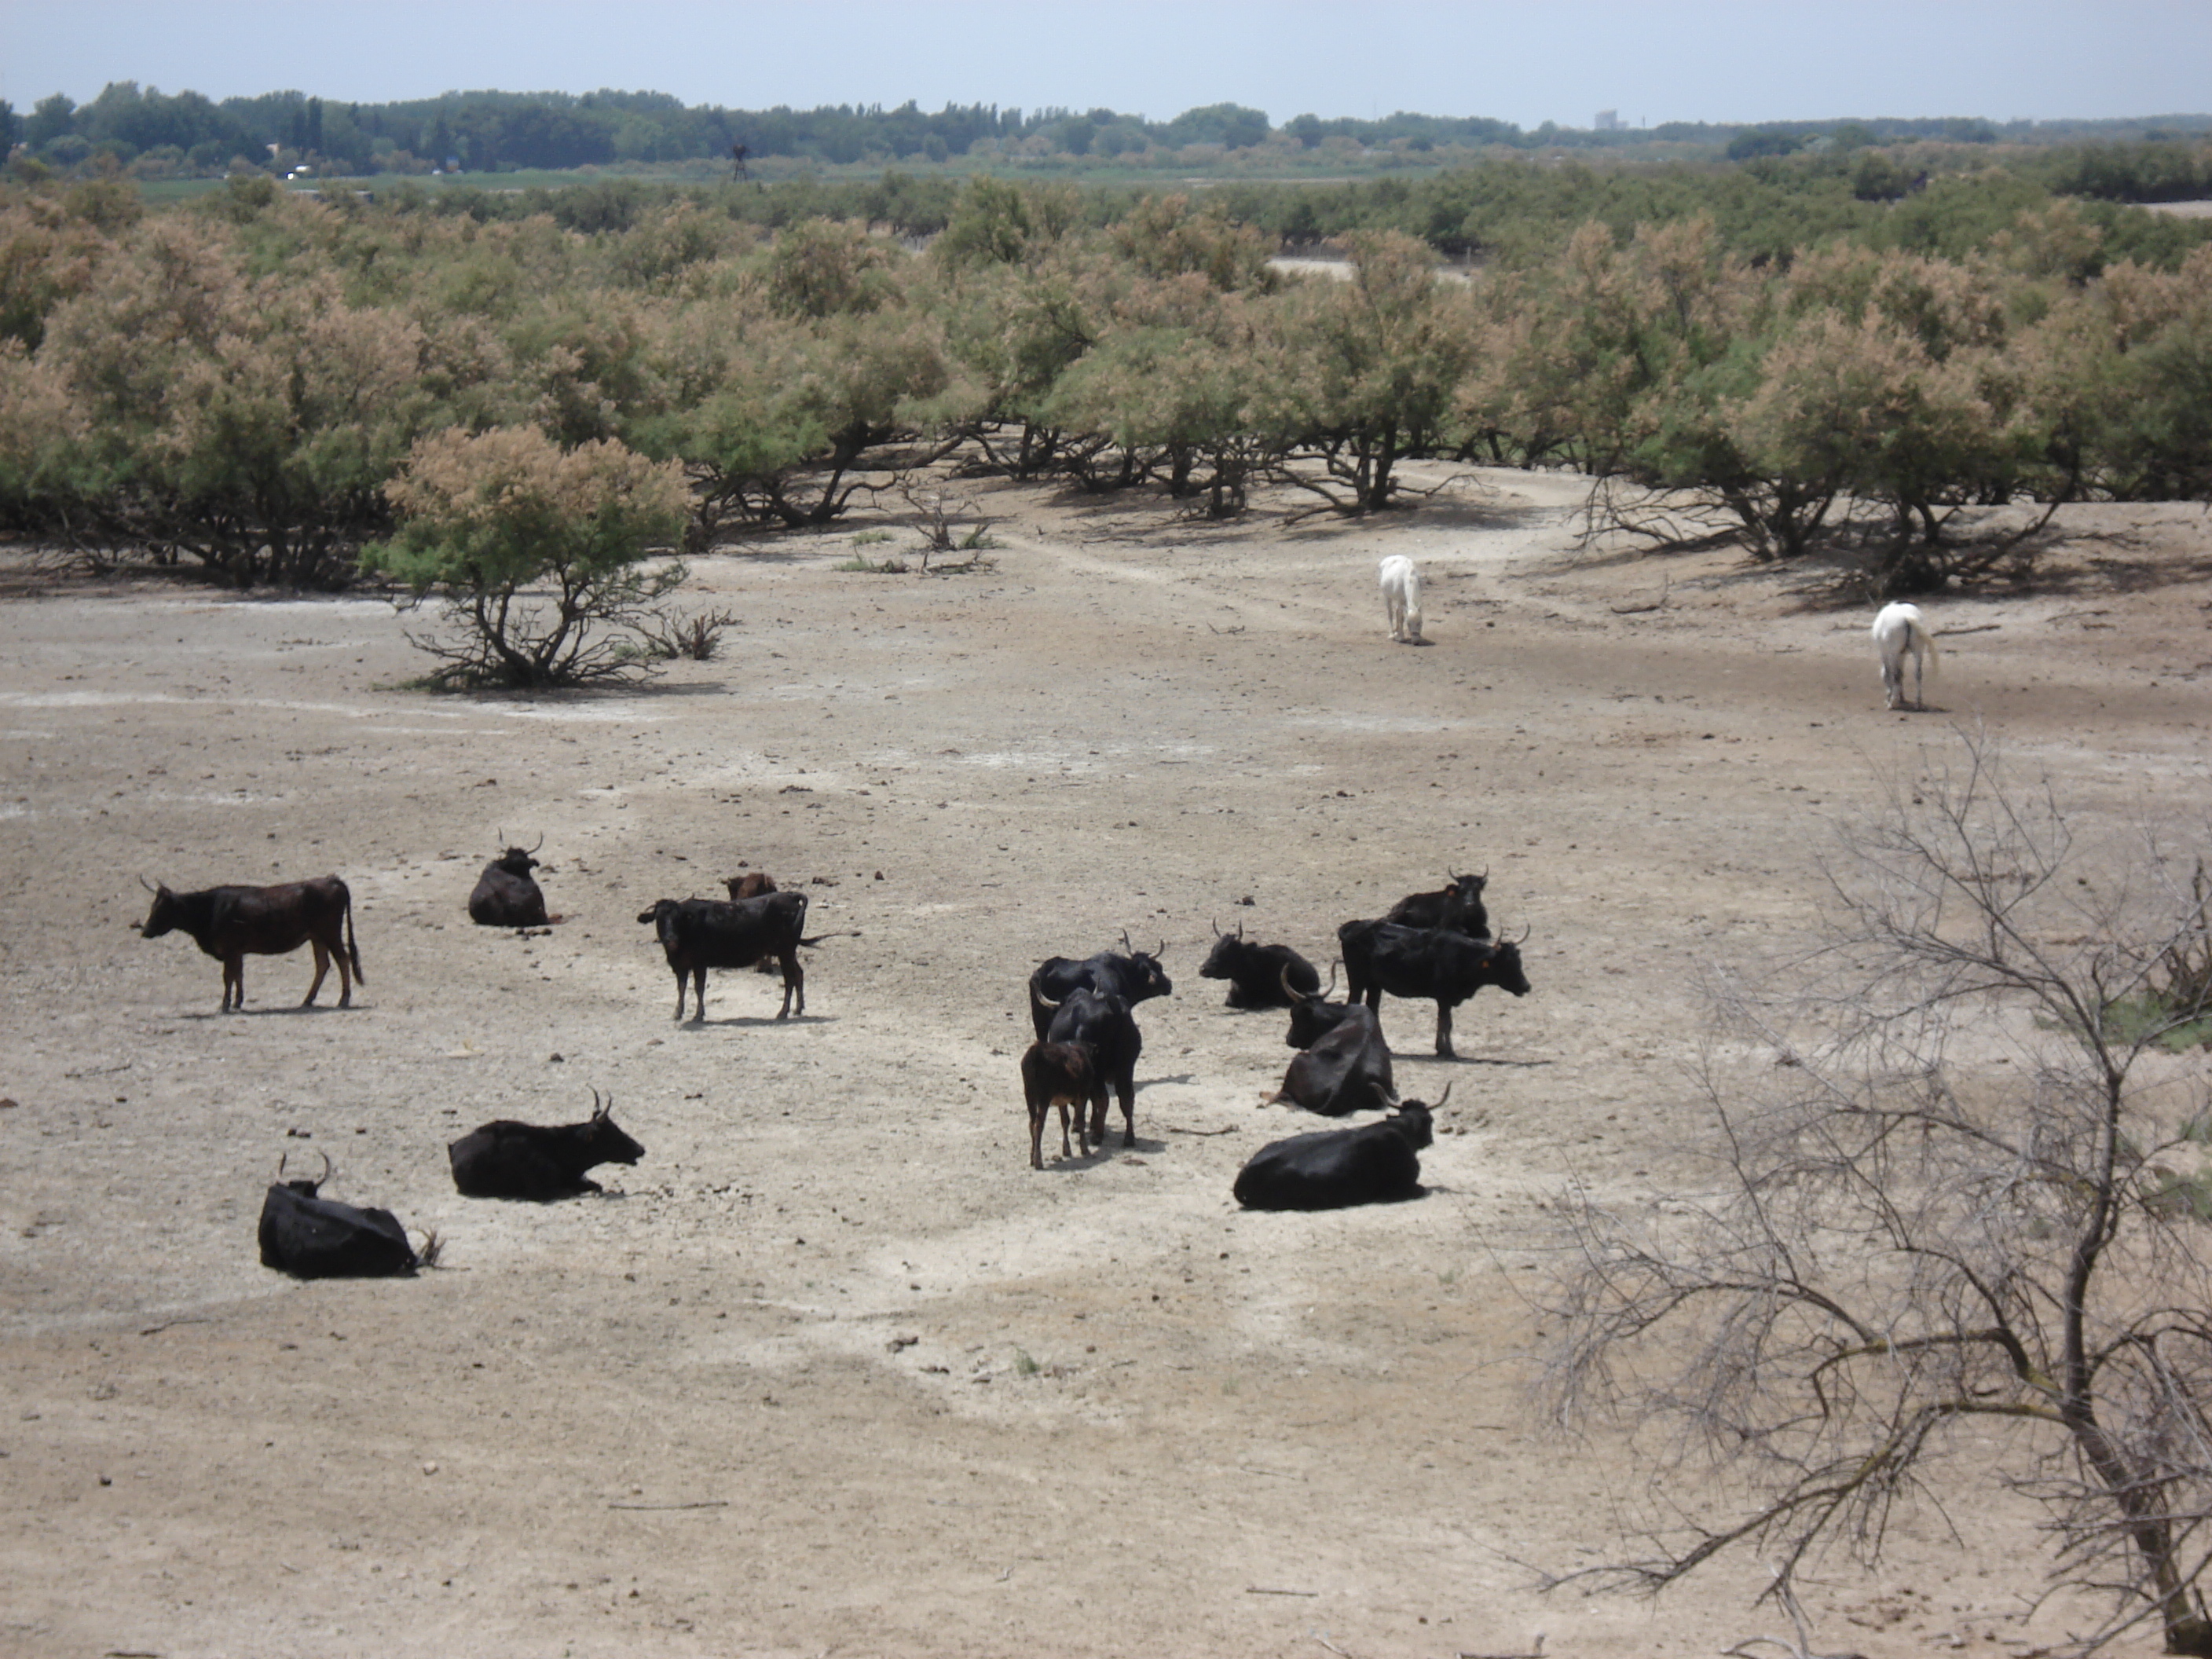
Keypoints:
pixel 353 951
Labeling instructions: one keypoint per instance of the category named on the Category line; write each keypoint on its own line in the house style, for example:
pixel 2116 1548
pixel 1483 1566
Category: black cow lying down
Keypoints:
pixel 507 894
pixel 508 1159
pixel 312 1237
pixel 1458 907
pixel 1347 1069
pixel 1057 1074
pixel 1336 1169
pixel 1259 976
pixel 1312 1017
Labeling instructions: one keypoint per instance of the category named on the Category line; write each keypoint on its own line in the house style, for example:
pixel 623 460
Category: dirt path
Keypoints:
pixel 832 1370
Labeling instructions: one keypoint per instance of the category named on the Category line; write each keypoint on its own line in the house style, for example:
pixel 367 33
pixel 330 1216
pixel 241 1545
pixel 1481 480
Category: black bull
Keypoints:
pixel 1425 963
pixel 232 923
pixel 1334 1169
pixel 697 934
pixel 507 894
pixel 1131 976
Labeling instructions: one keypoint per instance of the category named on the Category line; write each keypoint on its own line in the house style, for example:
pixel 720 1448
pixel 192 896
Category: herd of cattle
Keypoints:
pixel 1431 946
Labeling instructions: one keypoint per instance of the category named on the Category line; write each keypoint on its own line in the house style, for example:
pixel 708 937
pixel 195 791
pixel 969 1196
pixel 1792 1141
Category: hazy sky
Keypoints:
pixel 1526 61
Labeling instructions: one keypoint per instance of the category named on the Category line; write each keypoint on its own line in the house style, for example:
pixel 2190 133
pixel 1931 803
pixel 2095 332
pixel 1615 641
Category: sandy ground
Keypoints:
pixel 833 1371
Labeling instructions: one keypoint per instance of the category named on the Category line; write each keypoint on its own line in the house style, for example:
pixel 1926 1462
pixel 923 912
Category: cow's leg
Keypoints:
pixel 681 973
pixel 233 982
pixel 699 994
pixel 1037 1108
pixel 1443 1029
pixel 794 981
pixel 345 974
pixel 322 966
pixel 1127 1090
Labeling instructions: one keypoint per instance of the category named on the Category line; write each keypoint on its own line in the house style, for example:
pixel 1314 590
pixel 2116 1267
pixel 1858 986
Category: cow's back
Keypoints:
pixel 1330 1170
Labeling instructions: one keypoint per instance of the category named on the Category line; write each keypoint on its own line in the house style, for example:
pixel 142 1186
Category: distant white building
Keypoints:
pixel 1608 120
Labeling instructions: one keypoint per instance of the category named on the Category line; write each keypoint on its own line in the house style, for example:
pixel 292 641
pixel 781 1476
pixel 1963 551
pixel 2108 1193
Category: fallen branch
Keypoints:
pixel 1261 1589
pixel 708 1503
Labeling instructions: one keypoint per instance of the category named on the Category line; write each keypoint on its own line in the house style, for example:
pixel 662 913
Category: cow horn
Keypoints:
pixel 149 887
pixel 1039 998
pixel 1126 945
pixel 1215 925
pixel 1161 949
pixel 598 1111
pixel 1525 930
pixel 1289 993
pixel 1240 938
pixel 541 842
pixel 1333 967
pixel 1442 1097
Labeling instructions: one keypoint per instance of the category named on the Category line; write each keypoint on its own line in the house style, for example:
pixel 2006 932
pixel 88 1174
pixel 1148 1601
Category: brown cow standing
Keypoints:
pixel 231 923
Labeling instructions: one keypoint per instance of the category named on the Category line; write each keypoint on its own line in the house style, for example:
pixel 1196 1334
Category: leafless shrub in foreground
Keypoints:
pixel 698 635
pixel 1909 1250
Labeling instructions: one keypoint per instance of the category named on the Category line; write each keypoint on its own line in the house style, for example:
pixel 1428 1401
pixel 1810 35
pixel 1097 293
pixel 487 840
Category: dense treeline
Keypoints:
pixel 252 381
pixel 159 133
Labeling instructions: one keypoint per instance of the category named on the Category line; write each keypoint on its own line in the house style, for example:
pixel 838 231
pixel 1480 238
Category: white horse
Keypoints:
pixel 1900 628
pixel 1402 598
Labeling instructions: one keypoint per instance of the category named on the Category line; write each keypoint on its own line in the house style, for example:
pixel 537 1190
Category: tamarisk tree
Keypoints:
pixel 1957 1209
pixel 535 550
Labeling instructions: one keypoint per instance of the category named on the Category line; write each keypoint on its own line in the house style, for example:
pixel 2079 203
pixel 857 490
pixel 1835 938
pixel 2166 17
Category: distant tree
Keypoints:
pixel 997 223
pixel 1171 235
pixel 1762 141
pixel 821 268
pixel 52 118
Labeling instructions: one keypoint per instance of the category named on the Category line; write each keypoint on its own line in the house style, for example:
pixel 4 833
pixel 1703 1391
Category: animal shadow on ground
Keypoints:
pixel 1101 1154
pixel 694 1024
pixel 269 1013
pixel 1463 1060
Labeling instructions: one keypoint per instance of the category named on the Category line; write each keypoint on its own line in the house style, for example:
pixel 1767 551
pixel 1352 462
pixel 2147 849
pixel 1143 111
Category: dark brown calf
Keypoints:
pixel 1054 1074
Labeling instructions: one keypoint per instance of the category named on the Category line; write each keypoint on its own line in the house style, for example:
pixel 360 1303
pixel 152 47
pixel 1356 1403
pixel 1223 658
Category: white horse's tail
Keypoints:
pixel 1926 640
